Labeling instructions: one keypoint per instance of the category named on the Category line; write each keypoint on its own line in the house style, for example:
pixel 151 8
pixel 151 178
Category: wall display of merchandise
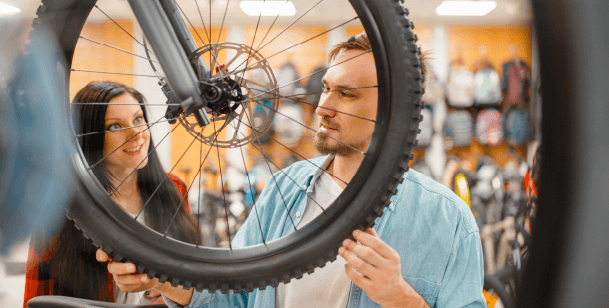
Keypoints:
pixel 487 112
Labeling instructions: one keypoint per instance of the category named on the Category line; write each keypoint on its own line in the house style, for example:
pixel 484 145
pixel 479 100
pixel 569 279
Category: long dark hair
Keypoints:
pixel 74 265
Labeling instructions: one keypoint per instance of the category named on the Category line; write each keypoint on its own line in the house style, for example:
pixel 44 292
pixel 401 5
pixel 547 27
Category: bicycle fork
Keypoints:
pixel 172 42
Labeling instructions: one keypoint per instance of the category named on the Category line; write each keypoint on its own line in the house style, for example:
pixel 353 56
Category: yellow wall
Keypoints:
pixel 469 43
pixel 92 56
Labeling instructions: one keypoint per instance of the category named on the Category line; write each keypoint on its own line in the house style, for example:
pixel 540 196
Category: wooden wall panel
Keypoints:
pixel 472 43
pixel 92 56
pixel 305 57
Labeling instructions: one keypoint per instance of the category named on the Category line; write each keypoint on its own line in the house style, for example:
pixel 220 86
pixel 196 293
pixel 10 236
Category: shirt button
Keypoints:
pixel 390 204
pixel 304 187
pixel 298 214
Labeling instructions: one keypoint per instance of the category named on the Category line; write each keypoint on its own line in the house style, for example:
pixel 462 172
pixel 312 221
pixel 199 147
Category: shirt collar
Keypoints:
pixel 322 168
pixel 317 172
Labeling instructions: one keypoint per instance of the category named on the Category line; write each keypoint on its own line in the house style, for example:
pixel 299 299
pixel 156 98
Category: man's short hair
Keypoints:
pixel 361 42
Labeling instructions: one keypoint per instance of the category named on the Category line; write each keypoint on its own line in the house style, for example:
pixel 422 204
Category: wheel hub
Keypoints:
pixel 242 95
pixel 223 96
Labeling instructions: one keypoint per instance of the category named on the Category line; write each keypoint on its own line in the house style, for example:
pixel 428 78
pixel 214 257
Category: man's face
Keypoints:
pixel 347 105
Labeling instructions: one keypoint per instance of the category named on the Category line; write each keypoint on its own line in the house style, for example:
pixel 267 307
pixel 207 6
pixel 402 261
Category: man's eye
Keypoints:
pixel 113 127
pixel 345 94
pixel 325 90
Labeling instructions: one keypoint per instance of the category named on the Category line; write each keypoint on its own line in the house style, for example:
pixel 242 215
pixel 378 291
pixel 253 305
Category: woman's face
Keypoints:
pixel 126 135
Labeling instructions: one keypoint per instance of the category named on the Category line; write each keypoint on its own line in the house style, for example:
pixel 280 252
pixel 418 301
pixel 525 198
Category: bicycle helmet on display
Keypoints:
pixel 489 127
pixel 458 128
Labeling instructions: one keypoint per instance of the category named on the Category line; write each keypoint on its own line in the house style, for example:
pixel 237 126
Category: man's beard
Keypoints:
pixel 322 143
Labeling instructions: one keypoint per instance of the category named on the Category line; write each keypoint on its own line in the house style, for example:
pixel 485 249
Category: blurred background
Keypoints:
pixel 481 122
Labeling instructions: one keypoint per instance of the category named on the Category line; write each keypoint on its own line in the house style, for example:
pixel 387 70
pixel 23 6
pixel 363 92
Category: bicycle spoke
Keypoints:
pixel 267 31
pixel 174 166
pixel 118 130
pixel 189 186
pixel 203 22
pixel 126 104
pixel 111 73
pixel 141 162
pixel 314 73
pixel 103 158
pixel 281 170
pixel 114 47
pixel 320 92
pixel 252 192
pixel 310 104
pixel 290 25
pixel 191 25
pixel 223 195
pixel 199 190
pixel 301 43
pixel 249 55
pixel 289 149
pixel 271 171
pixel 197 32
pixel 211 69
pixel 305 126
pixel 127 32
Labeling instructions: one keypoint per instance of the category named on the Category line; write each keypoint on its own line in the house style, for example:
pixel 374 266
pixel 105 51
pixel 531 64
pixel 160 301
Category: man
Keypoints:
pixel 424 251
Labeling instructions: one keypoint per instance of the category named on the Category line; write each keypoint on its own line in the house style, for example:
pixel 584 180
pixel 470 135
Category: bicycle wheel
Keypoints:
pixel 399 83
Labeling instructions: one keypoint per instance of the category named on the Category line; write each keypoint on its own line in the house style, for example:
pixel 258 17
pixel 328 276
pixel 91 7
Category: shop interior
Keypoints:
pixel 481 121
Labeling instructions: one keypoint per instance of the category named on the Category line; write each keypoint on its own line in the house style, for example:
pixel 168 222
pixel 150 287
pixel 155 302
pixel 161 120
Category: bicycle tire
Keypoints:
pixel 398 116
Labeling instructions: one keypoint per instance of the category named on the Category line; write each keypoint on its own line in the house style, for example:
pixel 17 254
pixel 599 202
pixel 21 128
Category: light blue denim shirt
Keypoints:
pixel 431 228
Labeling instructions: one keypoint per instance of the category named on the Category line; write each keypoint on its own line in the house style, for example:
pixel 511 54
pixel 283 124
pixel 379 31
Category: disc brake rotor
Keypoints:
pixel 247 111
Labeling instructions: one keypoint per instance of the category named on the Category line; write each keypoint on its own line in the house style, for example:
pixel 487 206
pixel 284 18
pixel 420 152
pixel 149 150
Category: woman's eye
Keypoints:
pixel 113 127
pixel 139 119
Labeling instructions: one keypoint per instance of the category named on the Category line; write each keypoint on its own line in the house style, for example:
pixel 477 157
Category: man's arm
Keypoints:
pixel 375 267
pixel 464 275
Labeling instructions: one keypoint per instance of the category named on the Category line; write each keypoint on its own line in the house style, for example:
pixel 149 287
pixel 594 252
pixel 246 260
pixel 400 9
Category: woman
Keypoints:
pixel 65 264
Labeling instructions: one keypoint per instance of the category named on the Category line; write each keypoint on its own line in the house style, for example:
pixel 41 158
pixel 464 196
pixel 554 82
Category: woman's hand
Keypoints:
pixel 125 275
pixel 127 279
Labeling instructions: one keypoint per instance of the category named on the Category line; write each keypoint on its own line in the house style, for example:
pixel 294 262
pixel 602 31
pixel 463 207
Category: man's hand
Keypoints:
pixel 375 267
pixel 125 275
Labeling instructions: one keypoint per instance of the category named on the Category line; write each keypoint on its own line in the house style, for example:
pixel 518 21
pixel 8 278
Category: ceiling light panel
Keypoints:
pixel 268 8
pixel 465 8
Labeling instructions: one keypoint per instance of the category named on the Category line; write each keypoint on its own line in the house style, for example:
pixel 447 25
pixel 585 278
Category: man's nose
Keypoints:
pixel 326 106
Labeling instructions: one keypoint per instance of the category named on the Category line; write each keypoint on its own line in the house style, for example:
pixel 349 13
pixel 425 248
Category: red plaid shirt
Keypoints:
pixel 37 278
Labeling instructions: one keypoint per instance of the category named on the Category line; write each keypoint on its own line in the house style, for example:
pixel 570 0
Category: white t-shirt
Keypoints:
pixel 133 298
pixel 327 286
